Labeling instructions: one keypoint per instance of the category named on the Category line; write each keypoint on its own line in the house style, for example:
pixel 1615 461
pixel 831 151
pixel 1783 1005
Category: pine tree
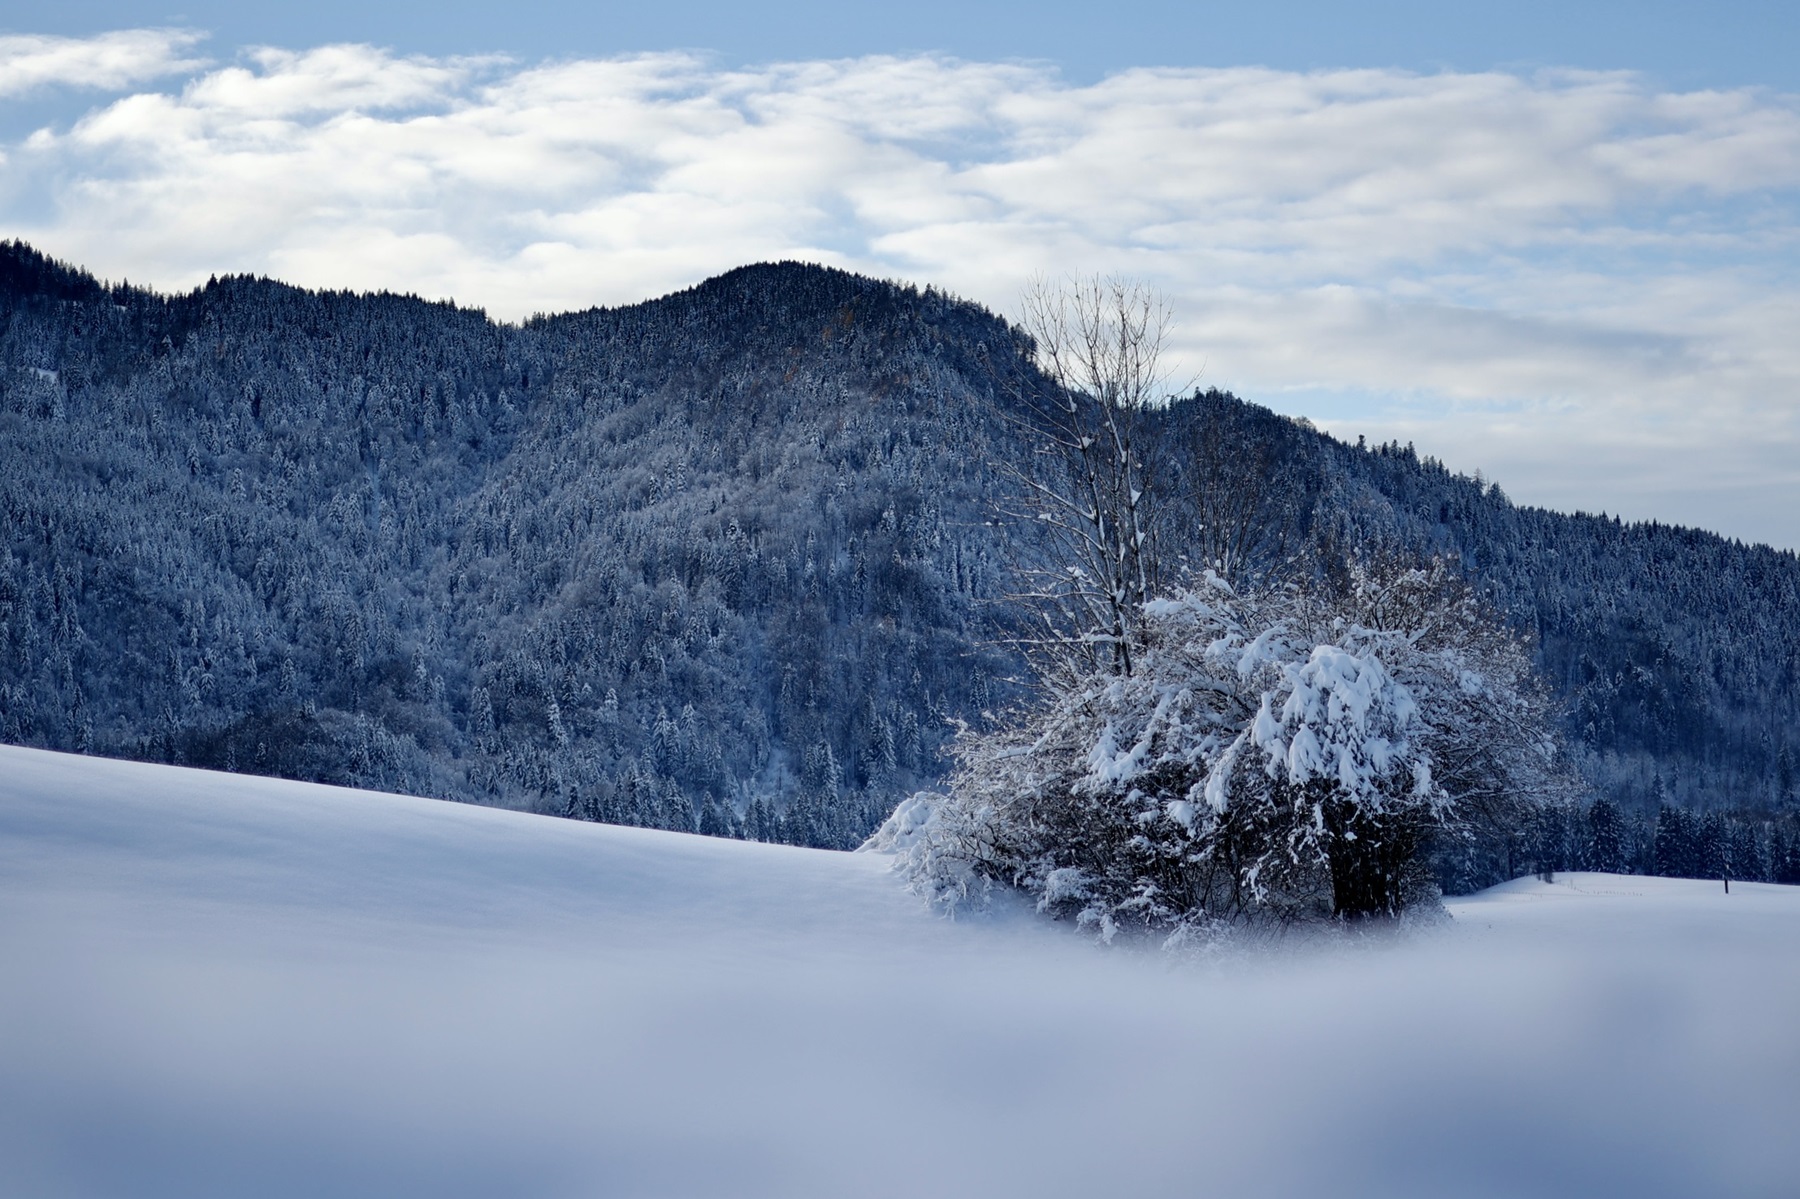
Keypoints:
pixel 1712 845
pixel 1676 851
pixel 1785 855
pixel 1748 857
pixel 715 819
pixel 1605 849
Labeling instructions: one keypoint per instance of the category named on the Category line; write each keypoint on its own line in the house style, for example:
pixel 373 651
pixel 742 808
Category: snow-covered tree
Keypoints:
pixel 1282 753
pixel 1604 849
pixel 1676 844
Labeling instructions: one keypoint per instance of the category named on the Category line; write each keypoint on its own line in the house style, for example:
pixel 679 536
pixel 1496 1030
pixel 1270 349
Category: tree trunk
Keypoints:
pixel 1368 857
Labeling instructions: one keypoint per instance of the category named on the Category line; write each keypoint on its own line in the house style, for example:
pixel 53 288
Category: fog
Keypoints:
pixel 220 986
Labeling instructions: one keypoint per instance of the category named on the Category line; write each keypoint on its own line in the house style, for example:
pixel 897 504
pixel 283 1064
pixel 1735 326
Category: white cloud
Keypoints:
pixel 1532 274
pixel 110 61
pixel 328 80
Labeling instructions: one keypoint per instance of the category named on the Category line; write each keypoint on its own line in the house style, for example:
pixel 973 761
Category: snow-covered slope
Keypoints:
pixel 219 986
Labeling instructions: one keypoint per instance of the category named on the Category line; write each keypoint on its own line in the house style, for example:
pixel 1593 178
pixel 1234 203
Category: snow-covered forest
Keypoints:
pixel 729 561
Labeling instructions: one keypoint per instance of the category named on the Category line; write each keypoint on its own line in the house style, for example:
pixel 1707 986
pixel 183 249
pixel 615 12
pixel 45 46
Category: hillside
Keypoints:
pixel 618 564
pixel 226 986
pixel 725 560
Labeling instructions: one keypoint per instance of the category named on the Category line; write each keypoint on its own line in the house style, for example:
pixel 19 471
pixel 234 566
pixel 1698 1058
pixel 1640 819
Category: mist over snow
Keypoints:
pixel 220 985
pixel 1579 282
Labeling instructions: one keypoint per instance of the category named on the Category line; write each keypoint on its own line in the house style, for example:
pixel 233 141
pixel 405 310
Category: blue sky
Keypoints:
pixel 1724 44
pixel 1556 243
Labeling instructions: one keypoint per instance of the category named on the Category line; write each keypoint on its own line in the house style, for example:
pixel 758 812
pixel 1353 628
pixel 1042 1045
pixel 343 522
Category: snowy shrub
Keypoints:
pixel 1279 754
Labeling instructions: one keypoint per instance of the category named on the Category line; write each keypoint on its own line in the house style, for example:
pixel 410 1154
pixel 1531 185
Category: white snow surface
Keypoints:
pixel 214 985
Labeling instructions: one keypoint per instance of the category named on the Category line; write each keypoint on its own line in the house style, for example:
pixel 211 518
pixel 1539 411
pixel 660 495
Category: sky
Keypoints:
pixel 1558 244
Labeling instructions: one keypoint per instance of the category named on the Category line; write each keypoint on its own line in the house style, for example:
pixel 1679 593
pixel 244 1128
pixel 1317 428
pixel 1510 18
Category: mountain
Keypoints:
pixel 624 563
pixel 727 560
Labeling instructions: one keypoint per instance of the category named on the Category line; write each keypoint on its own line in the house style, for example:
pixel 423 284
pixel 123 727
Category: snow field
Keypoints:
pixel 222 986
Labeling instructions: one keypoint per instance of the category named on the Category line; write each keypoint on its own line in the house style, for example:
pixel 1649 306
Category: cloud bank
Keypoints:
pixel 1584 286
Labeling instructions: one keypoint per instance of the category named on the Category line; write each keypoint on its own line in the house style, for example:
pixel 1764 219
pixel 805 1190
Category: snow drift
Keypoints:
pixel 225 986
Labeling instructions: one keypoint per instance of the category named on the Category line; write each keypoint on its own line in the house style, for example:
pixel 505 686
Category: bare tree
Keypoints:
pixel 1090 484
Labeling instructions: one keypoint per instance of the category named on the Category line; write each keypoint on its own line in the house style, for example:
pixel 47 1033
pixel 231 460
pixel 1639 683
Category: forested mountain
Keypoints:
pixel 1676 652
pixel 726 560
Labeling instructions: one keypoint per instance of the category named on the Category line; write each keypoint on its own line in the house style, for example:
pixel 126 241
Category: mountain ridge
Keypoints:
pixel 725 559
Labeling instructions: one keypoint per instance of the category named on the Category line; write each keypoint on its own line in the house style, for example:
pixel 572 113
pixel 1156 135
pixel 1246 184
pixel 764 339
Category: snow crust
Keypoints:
pixel 223 986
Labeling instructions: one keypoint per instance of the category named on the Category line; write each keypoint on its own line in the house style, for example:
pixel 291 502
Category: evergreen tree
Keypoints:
pixel 1785 855
pixel 1748 856
pixel 1712 847
pixel 1605 849
pixel 1676 845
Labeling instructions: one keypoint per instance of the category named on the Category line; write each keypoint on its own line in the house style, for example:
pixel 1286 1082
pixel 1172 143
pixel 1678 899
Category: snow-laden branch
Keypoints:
pixel 1278 752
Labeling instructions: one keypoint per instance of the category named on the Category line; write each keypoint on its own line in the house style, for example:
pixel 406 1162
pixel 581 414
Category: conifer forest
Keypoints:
pixel 740 561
